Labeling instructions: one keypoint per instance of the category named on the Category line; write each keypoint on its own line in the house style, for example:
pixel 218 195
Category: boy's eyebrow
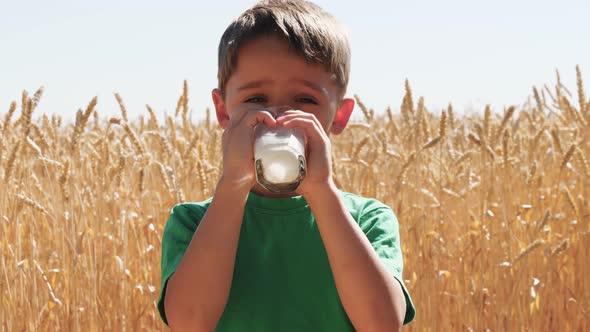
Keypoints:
pixel 253 85
pixel 259 83
pixel 312 85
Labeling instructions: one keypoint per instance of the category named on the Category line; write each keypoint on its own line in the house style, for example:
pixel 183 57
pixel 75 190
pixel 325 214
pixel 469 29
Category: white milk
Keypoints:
pixel 281 154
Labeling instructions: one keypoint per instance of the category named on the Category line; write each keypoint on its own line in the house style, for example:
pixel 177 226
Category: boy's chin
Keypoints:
pixel 260 190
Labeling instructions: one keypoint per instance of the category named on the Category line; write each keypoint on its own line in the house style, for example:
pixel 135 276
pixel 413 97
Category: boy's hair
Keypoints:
pixel 310 31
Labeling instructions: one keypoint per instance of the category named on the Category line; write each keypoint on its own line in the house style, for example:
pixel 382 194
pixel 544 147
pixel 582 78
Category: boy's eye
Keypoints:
pixel 306 100
pixel 256 100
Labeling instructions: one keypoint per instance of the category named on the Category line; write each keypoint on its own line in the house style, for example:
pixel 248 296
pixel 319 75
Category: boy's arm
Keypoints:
pixel 197 292
pixel 370 294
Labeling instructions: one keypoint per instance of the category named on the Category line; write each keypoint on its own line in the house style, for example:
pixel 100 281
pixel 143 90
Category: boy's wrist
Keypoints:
pixel 319 190
pixel 233 187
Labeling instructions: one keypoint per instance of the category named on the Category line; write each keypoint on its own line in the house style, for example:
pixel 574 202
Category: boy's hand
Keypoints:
pixel 319 161
pixel 237 146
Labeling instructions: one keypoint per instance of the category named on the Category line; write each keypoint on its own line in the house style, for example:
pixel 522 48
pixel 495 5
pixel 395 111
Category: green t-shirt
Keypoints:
pixel 282 279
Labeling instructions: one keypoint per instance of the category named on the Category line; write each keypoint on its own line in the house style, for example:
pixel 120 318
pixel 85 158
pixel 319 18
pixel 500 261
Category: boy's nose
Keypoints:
pixel 278 108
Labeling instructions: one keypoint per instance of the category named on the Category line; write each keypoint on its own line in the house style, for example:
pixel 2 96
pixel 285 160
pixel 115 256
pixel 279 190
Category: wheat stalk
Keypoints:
pixel 572 203
pixel 531 174
pixel 153 119
pixel 201 175
pixel 474 139
pixel 10 162
pixel 178 105
pixel 54 298
pixel 466 155
pixel 364 109
pixel 121 107
pixel 405 166
pixel 29 202
pixel 37 97
pixel 33 146
pixel 63 180
pixel 584 162
pixel 81 121
pixel 422 121
pixel 556 140
pixel 431 143
pixel 359 146
pixel 162 141
pixel 185 122
pixel 486 122
pixel 561 247
pixel 164 175
pixel 192 144
pixel 528 249
pixel 27 111
pixel 207 118
pixel 503 123
pixel 8 117
pixel 41 136
pixel 568 155
pixel 580 85
pixel 134 140
pixel 451 116
pixel 172 128
pixel 544 220
pixel 407 107
pixel 540 103
pixel 505 147
pixel 536 138
pixel 442 126
pixel 2 145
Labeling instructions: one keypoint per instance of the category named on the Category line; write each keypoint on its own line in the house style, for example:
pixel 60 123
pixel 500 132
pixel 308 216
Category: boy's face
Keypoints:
pixel 267 73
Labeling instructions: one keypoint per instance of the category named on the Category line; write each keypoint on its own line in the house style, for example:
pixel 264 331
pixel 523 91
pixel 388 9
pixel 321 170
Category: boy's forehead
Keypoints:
pixel 269 60
pixel 260 83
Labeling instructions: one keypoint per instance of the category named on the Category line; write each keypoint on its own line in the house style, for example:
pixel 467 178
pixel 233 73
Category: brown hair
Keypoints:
pixel 310 31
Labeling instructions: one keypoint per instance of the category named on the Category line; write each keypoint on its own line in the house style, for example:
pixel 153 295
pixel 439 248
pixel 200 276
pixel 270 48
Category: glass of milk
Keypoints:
pixel 279 155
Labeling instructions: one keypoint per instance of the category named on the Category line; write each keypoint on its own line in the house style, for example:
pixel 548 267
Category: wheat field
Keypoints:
pixel 494 209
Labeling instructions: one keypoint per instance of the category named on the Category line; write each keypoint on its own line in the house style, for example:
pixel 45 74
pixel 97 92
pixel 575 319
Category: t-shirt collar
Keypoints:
pixel 278 204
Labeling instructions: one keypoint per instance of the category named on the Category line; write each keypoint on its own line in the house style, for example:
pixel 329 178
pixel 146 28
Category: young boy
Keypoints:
pixel 317 259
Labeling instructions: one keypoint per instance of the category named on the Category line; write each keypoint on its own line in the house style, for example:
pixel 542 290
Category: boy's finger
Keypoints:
pixel 292 111
pixel 242 111
pixel 287 117
pixel 256 116
pixel 312 130
pixel 300 115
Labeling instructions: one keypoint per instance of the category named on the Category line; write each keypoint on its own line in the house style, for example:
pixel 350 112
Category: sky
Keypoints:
pixel 470 53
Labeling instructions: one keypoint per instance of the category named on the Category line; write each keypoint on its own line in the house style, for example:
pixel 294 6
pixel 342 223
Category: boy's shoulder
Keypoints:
pixel 361 204
pixel 190 209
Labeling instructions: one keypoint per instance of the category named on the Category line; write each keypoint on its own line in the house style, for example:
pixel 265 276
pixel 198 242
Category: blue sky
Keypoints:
pixel 466 52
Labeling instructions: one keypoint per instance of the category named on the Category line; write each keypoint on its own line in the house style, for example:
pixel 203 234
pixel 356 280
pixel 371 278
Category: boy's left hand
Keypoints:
pixel 319 158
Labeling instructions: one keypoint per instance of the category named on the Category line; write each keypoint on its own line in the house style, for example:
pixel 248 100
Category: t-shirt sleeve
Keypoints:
pixel 382 229
pixel 178 233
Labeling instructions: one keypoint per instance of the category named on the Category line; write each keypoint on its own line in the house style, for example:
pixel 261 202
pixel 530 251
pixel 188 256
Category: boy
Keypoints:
pixel 316 259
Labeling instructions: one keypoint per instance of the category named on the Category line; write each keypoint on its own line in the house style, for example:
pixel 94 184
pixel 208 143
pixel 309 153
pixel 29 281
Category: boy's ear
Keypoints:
pixel 342 116
pixel 220 109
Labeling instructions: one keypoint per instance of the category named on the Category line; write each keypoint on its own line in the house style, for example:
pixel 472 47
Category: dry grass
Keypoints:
pixel 494 210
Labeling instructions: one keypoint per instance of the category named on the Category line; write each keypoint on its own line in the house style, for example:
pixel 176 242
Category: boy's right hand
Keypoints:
pixel 237 146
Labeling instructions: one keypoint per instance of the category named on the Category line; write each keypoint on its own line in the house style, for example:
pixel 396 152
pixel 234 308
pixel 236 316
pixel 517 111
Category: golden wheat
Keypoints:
pixel 493 236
